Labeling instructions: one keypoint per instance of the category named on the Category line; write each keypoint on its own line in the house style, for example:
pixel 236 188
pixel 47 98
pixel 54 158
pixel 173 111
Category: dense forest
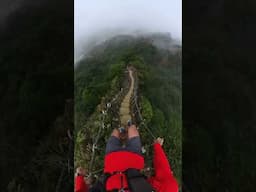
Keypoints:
pixel 100 76
pixel 36 97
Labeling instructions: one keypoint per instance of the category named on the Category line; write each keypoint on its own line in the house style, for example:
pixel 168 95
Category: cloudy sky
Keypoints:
pixel 94 17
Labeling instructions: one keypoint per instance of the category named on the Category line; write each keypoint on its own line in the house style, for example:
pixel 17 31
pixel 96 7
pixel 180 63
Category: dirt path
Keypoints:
pixel 125 105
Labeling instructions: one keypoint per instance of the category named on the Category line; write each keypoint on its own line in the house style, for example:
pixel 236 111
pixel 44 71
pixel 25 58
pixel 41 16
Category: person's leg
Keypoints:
pixel 115 133
pixel 113 143
pixel 133 132
pixel 134 142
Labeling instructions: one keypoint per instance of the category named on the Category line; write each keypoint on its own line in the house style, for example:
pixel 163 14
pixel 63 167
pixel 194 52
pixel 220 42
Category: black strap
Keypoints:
pixel 136 181
pixel 105 179
pixel 116 190
pixel 122 182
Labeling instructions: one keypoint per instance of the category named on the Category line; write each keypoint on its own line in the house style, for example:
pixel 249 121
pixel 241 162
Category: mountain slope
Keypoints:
pixel 102 75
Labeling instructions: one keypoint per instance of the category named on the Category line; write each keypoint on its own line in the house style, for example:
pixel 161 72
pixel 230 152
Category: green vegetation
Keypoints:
pixel 94 79
pixel 147 111
pixel 160 86
pixel 101 75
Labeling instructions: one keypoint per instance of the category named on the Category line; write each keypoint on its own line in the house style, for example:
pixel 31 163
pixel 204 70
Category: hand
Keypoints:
pixel 80 171
pixel 160 141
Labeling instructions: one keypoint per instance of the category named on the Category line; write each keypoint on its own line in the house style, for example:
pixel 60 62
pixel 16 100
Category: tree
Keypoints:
pixel 147 111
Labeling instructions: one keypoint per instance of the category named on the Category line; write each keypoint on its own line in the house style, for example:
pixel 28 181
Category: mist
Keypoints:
pixel 96 21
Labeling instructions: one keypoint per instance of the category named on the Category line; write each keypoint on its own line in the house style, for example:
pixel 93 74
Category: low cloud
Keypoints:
pixel 98 20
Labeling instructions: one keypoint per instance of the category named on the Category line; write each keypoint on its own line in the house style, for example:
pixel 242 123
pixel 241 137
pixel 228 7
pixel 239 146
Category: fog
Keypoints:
pixel 98 20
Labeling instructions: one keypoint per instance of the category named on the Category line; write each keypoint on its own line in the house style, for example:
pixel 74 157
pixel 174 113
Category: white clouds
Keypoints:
pixel 94 16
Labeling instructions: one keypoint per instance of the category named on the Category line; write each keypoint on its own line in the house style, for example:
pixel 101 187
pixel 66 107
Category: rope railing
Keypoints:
pixel 94 146
pixel 134 102
pixel 109 105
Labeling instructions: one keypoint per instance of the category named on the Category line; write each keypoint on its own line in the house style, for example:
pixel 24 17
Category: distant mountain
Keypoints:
pixel 160 40
pixel 163 41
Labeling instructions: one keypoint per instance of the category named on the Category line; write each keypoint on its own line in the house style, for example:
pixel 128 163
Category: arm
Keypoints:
pixel 163 174
pixel 80 185
pixel 160 162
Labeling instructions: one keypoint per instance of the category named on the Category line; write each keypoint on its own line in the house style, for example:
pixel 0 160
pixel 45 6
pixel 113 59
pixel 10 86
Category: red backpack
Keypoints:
pixel 136 181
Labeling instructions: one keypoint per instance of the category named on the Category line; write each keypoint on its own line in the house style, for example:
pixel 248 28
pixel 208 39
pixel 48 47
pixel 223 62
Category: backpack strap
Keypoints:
pixel 136 181
pixel 108 175
pixel 105 179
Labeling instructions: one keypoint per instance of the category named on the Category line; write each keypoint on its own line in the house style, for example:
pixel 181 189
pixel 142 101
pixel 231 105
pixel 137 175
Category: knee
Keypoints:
pixel 132 131
pixel 115 133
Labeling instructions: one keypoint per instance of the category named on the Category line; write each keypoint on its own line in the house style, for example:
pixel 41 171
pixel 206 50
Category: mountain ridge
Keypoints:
pixel 160 40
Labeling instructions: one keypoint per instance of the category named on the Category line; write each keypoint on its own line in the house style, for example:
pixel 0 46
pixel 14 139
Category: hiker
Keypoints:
pixel 80 185
pixel 123 165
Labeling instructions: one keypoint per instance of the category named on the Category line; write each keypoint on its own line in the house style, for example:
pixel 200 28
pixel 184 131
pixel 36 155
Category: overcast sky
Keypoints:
pixel 96 16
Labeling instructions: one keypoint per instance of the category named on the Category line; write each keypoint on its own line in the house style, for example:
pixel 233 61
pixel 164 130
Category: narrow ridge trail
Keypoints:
pixel 125 107
pixel 124 116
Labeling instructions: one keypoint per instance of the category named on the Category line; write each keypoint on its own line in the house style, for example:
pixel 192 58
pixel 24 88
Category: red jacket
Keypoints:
pixel 163 181
pixel 120 161
pixel 80 185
